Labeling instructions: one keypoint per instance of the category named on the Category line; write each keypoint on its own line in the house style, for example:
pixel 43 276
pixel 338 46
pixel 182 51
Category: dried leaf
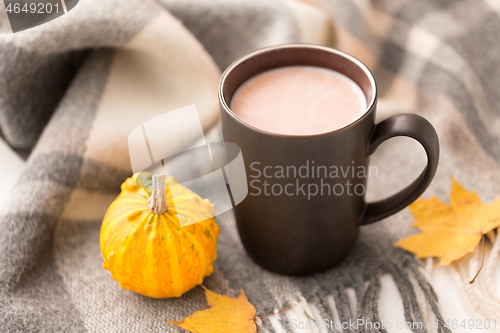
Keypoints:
pixel 450 232
pixel 225 315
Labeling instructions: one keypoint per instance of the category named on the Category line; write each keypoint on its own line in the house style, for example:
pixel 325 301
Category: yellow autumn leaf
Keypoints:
pixel 449 232
pixel 226 314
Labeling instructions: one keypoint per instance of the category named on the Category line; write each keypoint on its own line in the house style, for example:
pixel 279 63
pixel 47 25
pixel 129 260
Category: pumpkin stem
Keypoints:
pixel 157 203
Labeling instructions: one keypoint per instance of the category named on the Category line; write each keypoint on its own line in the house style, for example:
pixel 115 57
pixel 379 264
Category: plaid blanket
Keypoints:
pixel 72 90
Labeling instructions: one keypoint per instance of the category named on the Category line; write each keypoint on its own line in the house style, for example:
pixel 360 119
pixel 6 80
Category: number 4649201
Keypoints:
pixel 471 324
pixel 33 8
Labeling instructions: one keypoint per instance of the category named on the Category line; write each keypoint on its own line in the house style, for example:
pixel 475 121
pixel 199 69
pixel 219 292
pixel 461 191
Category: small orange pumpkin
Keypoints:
pixel 144 246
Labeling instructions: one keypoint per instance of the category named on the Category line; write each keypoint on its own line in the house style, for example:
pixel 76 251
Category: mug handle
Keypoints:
pixel 420 129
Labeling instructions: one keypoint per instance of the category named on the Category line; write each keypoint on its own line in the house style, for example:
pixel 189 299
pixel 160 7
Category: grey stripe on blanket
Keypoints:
pixel 73 89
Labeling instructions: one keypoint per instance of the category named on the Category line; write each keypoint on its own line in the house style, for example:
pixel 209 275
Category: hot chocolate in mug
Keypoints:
pixel 306 190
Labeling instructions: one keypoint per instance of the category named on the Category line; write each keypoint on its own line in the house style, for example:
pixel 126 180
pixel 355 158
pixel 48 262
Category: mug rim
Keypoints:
pixel 357 62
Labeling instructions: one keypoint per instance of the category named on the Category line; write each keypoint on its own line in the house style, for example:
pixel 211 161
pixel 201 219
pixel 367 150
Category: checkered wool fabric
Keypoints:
pixel 73 89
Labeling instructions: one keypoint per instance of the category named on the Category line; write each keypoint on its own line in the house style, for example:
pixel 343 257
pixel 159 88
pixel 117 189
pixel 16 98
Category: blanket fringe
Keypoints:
pixel 485 304
pixel 420 303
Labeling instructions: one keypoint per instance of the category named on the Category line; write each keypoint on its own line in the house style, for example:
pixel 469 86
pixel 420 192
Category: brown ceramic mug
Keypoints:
pixel 297 234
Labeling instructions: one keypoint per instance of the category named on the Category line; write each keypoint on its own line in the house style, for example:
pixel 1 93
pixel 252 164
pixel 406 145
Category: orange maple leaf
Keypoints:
pixel 450 231
pixel 226 314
